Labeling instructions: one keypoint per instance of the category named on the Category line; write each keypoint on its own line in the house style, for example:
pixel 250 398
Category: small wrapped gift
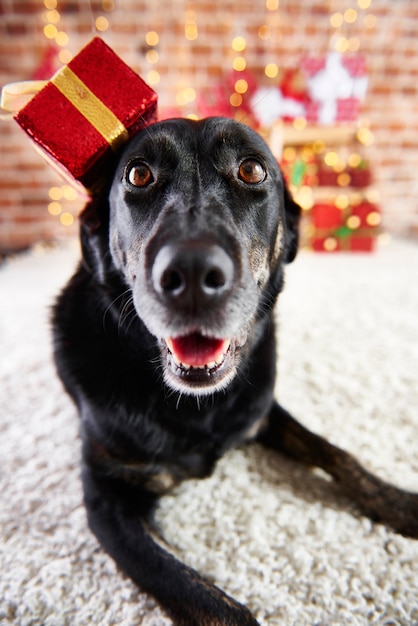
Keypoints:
pixel 353 229
pixel 87 111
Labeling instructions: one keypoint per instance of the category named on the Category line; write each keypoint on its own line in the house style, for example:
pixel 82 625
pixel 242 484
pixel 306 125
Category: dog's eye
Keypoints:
pixel 140 175
pixel 251 172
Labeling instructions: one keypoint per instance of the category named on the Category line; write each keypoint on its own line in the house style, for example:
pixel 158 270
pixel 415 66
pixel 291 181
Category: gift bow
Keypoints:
pixel 15 96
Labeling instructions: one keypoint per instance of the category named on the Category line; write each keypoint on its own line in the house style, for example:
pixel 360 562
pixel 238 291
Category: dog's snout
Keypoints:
pixel 192 273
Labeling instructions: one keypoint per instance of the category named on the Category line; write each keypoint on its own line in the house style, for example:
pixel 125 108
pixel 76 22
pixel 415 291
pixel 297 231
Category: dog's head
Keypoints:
pixel 198 223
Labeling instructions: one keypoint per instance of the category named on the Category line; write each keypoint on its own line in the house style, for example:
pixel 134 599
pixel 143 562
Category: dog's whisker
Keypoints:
pixel 111 305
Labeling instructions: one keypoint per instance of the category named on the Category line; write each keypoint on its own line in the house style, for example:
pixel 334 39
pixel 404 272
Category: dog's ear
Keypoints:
pixel 292 218
pixel 94 235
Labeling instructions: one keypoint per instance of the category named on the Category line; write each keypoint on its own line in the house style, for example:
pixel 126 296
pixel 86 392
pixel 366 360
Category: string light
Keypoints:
pixel 101 23
pixel 271 70
pixel 241 86
pixel 330 244
pixel 152 38
pixel 152 56
pixel 239 44
pixel 153 77
pixel 235 100
pixel 190 26
pixel 341 42
pixel 264 32
pixel 350 16
pixel 239 64
pixel 272 5
pixel 353 222
pixel 67 219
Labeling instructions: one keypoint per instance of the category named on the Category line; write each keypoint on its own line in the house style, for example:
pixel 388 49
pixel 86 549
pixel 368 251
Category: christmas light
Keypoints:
pixel 350 16
pixel 68 192
pixel 365 136
pixel 50 4
pixel 331 159
pixel 152 38
pixel 272 5
pixel 55 193
pixel 239 64
pixel 341 45
pixel 330 244
pixel 62 39
pixel 67 219
pixel 353 222
pixel 264 32
pixel 54 208
pixel 241 86
pixel 65 56
pixel 53 16
pixel 342 202
pixel 239 44
pixel 235 100
pixel 190 26
pixel 343 180
pixel 299 123
pixel 370 21
pixel 364 4
pixel 101 23
pixel 337 20
pixel 153 77
pixel 152 56
pixel 354 160
pixel 271 70
pixel 50 31
pixel 373 218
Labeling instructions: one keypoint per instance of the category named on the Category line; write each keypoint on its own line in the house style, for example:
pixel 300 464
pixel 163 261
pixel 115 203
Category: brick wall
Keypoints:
pixel 386 32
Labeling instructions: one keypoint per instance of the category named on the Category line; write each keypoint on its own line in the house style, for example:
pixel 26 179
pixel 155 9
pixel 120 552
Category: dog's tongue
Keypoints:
pixel 196 350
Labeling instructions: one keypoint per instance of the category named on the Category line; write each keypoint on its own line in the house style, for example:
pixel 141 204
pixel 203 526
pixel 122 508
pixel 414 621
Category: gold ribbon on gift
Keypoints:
pixel 90 107
pixel 16 95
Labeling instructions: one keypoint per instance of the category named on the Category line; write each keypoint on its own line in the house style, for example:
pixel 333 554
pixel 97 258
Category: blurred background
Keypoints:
pixel 331 84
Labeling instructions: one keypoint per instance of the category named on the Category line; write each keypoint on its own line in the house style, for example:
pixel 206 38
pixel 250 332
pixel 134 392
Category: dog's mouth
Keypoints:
pixel 198 364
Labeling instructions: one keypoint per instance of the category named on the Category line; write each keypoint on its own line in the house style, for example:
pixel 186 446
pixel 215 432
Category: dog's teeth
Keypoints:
pixel 211 365
pixel 185 366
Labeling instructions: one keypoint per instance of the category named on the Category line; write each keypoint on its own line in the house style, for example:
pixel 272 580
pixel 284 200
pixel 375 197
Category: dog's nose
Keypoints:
pixel 192 273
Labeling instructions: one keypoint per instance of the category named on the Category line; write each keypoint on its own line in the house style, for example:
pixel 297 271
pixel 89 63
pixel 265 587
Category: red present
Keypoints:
pixel 87 111
pixel 348 109
pixel 350 230
pixel 326 216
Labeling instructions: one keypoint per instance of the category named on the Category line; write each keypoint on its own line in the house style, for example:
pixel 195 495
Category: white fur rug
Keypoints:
pixel 275 535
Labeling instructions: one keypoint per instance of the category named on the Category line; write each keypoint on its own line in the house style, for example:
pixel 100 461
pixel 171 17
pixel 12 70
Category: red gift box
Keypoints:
pixel 87 111
pixel 350 230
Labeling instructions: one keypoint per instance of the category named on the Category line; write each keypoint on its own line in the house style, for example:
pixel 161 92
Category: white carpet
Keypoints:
pixel 278 537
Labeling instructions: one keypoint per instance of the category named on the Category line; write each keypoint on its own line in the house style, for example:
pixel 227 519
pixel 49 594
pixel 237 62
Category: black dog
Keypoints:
pixel 165 339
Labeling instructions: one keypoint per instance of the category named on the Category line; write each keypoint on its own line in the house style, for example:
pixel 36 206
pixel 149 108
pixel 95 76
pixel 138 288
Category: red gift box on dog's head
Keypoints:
pixel 87 111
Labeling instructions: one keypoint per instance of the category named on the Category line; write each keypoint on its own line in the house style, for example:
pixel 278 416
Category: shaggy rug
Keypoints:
pixel 277 536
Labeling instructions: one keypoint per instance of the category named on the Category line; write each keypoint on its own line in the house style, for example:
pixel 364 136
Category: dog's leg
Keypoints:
pixel 377 499
pixel 117 515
